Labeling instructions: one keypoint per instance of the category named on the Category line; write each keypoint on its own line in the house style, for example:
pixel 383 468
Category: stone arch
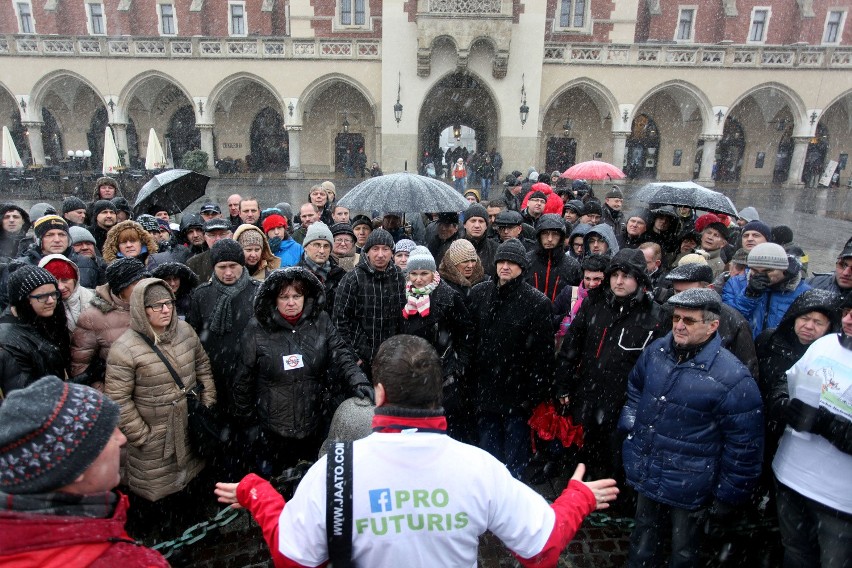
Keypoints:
pixel 601 95
pixel 48 82
pixel 134 85
pixel 790 96
pixel 320 84
pixel 220 93
pixel 682 91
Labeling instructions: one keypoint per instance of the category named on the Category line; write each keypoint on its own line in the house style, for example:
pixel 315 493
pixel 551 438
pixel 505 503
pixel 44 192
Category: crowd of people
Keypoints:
pixel 706 368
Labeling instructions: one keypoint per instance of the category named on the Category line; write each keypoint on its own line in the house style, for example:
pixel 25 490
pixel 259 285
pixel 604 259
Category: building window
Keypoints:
pixel 572 13
pixel 834 26
pixel 685 24
pixel 238 18
pixel 352 13
pixel 759 25
pixel 168 23
pixel 97 24
pixel 26 24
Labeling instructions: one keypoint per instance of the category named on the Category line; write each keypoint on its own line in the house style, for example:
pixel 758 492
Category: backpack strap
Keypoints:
pixel 338 511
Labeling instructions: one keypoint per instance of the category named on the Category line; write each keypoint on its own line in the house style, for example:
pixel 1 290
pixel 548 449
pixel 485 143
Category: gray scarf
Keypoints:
pixel 222 317
pixel 96 505
pixel 320 271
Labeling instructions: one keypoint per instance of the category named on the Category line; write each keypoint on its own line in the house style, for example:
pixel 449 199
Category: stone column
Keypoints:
pixel 207 143
pixel 36 144
pixel 294 138
pixel 708 158
pixel 797 161
pixel 619 141
pixel 119 131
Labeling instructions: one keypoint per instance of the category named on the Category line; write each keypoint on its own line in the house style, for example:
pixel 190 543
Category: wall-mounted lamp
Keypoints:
pixel 200 108
pixel 111 105
pixel 291 108
pixel 397 108
pixel 345 124
pixel 719 116
pixel 525 110
pixel 457 131
pixel 814 117
pixel 624 116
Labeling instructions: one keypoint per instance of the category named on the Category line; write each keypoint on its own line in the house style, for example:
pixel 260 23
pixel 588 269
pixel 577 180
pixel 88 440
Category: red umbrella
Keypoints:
pixel 548 425
pixel 593 170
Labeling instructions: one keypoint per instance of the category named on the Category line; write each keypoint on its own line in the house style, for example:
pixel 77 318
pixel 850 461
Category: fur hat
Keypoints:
pixel 24 280
pixel 420 259
pixel 50 433
pixel 378 237
pixel 123 272
pixel 227 250
pixel 106 180
pixel 768 255
pixel 513 251
pixel 711 221
pixel 318 231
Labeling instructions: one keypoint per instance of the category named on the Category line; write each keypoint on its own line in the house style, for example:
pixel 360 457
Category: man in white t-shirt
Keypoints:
pixel 420 498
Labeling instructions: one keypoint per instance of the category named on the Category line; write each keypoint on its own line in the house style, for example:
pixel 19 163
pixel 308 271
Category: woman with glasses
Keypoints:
pixel 161 467
pixel 34 339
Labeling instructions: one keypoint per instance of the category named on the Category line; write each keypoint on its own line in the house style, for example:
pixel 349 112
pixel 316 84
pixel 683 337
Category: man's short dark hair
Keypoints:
pixel 250 198
pixel 595 263
pixel 409 369
pixel 336 207
pixel 497 202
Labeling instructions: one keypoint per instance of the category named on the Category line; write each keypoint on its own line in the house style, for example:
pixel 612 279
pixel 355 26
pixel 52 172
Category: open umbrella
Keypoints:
pixel 9 157
pixel 686 194
pixel 173 190
pixel 111 163
pixel 593 170
pixel 404 192
pixel 155 159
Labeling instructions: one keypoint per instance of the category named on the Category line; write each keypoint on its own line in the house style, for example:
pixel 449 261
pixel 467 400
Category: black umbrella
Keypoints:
pixel 404 192
pixel 686 194
pixel 172 190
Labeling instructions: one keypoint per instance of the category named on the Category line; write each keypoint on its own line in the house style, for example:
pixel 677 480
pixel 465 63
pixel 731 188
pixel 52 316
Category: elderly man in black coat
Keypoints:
pixel 513 358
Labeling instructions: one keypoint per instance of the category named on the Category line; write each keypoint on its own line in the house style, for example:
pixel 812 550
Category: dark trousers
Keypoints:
pixel 507 438
pixel 813 535
pixel 276 453
pixel 167 518
pixel 652 518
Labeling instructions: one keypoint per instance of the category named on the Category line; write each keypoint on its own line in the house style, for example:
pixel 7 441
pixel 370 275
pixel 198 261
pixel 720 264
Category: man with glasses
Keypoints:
pixel 600 239
pixel 616 322
pixel 510 225
pixel 841 281
pixel 694 425
pixel 317 258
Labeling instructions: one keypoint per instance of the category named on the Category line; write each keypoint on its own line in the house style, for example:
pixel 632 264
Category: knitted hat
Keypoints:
pixel 474 193
pixel 632 262
pixel 61 268
pixel 361 220
pixel 513 251
pixel 691 273
pixel 47 223
pixel 697 299
pixel 575 205
pixel 740 257
pixel 555 173
pixel 476 210
pixel 404 245
pixel 508 219
pixel 216 224
pixel 250 237
pixel 273 222
pixel 782 234
pixel 80 235
pixel 72 203
pixel 614 193
pixel 123 272
pixel 640 213
pixel 760 227
pixel 749 214
pixel 102 205
pixel 378 237
pixel 537 195
pixel 461 250
pixel 318 231
pixel 121 204
pixel 149 223
pixel 593 207
pixel 692 258
pixel 50 433
pixel 24 280
pixel 157 292
pixel 342 229
pixel 420 259
pixel 163 225
pixel 768 255
pixel 227 250
pixel 39 210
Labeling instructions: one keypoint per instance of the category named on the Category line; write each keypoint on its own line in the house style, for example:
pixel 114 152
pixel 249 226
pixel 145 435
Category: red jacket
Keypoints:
pixel 55 541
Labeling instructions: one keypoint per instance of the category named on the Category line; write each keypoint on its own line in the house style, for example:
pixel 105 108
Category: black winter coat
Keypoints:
pixel 486 249
pixel 600 348
pixel 513 358
pixel 25 355
pixel 92 274
pixel 287 369
pixel 551 270
pixel 224 350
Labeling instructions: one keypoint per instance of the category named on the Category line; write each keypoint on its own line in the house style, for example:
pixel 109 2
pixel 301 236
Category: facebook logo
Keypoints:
pixel 380 501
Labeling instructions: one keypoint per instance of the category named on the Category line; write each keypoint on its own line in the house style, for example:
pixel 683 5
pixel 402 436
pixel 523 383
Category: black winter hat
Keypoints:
pixel 508 218
pixel 691 272
pixel 24 280
pixel 593 207
pixel 227 250
pixel 48 223
pixel 121 204
pixel 630 261
pixel 537 195
pixel 72 203
pixel 513 251
pixel 123 272
pixel 378 237
pixel 189 221
pixel 102 205
pixel 476 210
pixel 342 229
pixel 575 205
pixel 361 220
pixel 52 431
pixel 782 234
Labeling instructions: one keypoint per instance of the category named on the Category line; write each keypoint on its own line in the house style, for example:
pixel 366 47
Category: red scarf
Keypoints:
pixel 394 424
pixel 292 320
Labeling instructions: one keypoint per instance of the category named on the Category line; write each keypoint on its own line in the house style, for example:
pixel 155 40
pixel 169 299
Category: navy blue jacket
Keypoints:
pixel 695 429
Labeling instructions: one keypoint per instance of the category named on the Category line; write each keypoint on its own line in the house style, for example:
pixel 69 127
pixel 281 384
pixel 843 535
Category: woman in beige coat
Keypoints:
pixel 160 465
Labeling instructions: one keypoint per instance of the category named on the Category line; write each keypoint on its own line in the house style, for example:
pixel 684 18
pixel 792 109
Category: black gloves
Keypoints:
pixel 365 392
pixel 757 285
pixel 800 416
pixel 834 428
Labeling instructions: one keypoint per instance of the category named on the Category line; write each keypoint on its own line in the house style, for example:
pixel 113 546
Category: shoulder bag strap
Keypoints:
pixel 338 511
pixel 165 361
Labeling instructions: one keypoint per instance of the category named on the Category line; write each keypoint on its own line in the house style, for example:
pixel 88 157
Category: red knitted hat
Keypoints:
pixel 273 222
pixel 61 269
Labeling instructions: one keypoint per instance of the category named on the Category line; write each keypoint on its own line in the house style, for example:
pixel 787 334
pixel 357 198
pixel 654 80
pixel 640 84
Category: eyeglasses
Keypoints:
pixel 43 298
pixel 688 322
pixel 844 266
pixel 162 305
pixel 596 240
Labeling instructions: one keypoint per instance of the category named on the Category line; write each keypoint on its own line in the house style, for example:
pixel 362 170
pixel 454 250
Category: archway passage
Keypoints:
pixel 270 145
pixel 458 100
pixel 642 148
pixel 729 152
pixel 182 135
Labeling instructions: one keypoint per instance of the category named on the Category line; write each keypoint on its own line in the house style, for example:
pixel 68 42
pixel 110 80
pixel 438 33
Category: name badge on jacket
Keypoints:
pixel 293 362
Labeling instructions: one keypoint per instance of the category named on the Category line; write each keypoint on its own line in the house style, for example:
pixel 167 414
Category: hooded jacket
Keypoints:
pixel 607 233
pixel 766 310
pixel 105 319
pixel 154 417
pixel 286 368
pixel 551 270
pixel 79 298
pixel 110 248
pixel 579 230
pixel 268 261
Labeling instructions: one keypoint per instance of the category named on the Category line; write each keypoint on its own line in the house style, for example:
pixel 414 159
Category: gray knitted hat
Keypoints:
pixel 420 259
pixel 768 255
pixel 50 433
pixel 378 237
pixel 513 251
pixel 404 245
pixel 318 231
pixel 697 299
pixel 80 235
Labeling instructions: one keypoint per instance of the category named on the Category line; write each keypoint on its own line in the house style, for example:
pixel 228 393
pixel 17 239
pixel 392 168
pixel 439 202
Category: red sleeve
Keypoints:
pixel 571 508
pixel 265 505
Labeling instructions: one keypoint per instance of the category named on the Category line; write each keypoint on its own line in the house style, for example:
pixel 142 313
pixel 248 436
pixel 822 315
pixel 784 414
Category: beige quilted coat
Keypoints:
pixel 153 409
pixel 102 322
